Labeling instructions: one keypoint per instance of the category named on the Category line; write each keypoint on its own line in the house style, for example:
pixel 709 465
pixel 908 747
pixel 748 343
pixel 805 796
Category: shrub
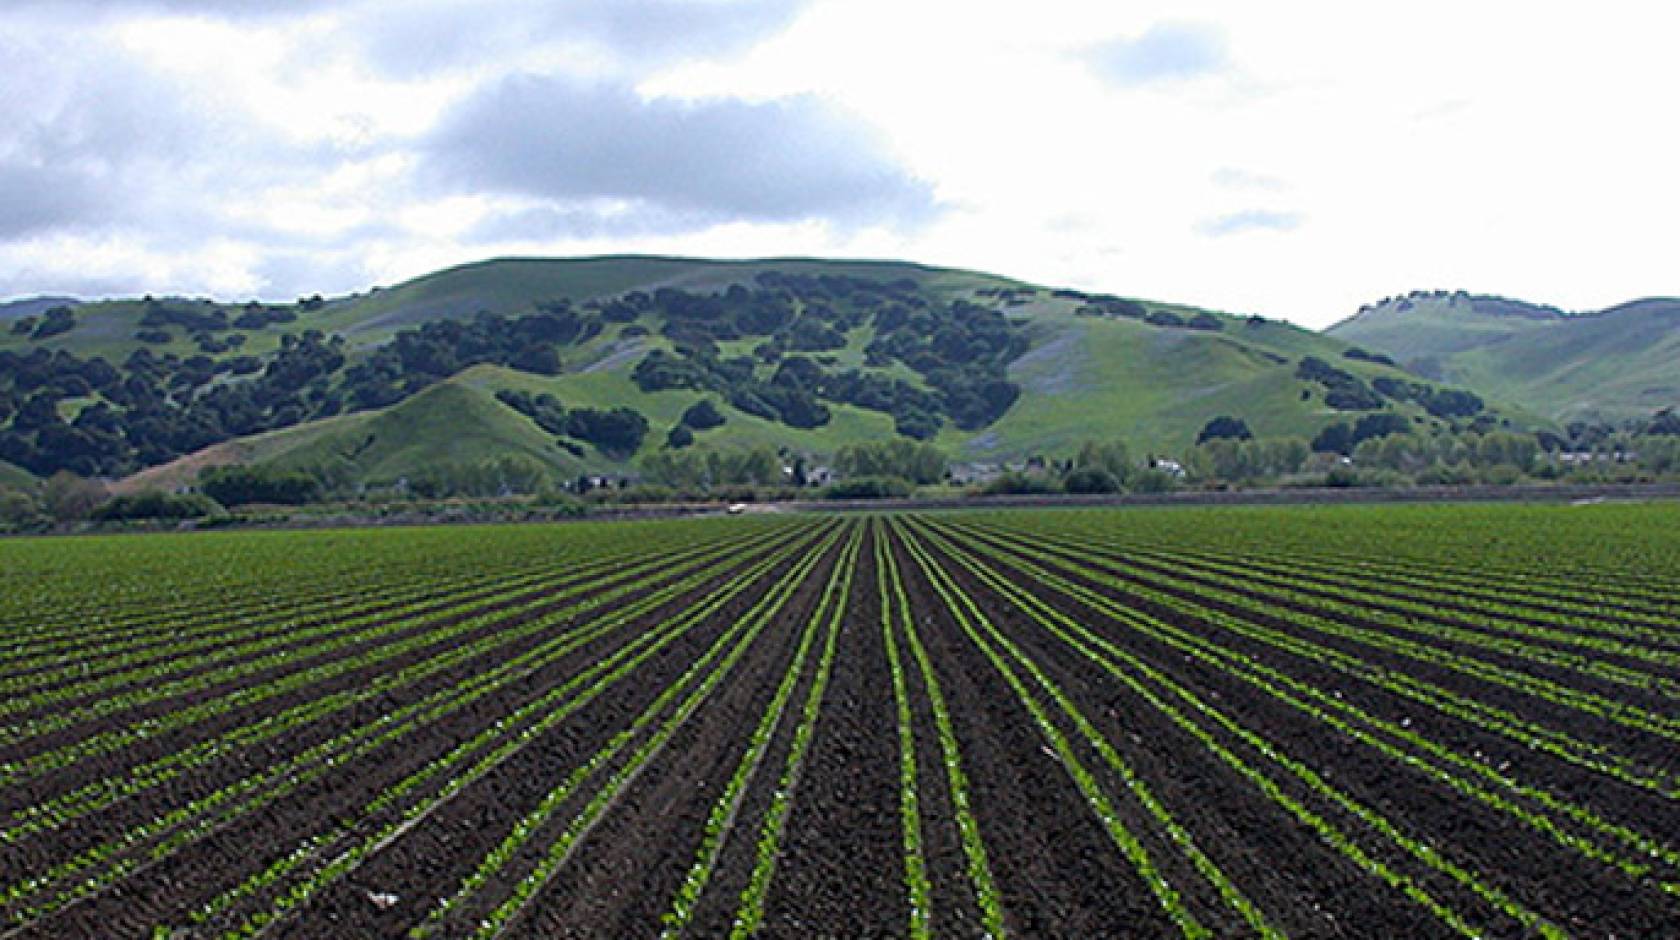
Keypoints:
pixel 155 504
pixel 19 510
pixel 1503 474
pixel 638 494
pixel 702 415
pixel 870 488
pixel 559 502
pixel 242 485
pixel 1088 480
pixel 1020 484
pixel 1444 474
pixel 1153 481
pixel 1342 477
pixel 1225 427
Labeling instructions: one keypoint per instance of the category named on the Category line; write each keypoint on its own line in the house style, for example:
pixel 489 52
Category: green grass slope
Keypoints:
pixel 505 286
pixel 663 409
pixel 1083 377
pixel 1087 378
pixel 454 422
pixel 514 285
pixel 1611 365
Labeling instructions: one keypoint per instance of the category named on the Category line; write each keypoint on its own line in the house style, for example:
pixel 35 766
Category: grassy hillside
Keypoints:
pixel 504 286
pixel 1085 367
pixel 1115 378
pixel 449 423
pixel 1083 378
pixel 13 310
pixel 461 422
pixel 1610 365
pixel 513 285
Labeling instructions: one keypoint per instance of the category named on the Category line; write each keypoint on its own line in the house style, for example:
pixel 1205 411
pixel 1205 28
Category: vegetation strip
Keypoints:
pixel 1529 734
pixel 1427 620
pixel 979 629
pixel 1462 774
pixel 1591 703
pixel 749 917
pixel 1081 641
pixel 722 817
pixel 71 805
pixel 146 660
pixel 909 800
pixel 968 828
pixel 743 633
pixel 486 751
pixel 247 795
pixel 282 650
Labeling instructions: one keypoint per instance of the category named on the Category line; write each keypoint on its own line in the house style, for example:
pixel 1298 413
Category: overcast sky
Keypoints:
pixel 1292 159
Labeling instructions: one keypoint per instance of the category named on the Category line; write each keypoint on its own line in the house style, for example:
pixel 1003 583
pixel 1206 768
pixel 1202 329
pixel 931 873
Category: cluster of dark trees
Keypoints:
pixel 1340 438
pixel 1345 391
pixel 1107 305
pixel 616 432
pixel 1224 427
pixel 418 358
pixel 55 320
pixel 154 406
pixel 960 350
pixel 1440 402
pixel 1365 355
pixel 703 415
pixel 240 485
pixel 209 325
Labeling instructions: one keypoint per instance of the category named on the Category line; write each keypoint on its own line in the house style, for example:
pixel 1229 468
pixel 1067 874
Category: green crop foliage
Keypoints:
pixel 1463 774
pixel 722 816
pixel 1465 713
pixel 915 856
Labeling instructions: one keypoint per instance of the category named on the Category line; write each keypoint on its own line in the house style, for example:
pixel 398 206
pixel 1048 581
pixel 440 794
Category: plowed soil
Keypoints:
pixel 1242 805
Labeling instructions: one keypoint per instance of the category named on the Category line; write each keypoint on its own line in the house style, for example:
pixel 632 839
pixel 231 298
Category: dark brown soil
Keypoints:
pixel 1512 857
pixel 180 882
pixel 842 860
pixel 839 860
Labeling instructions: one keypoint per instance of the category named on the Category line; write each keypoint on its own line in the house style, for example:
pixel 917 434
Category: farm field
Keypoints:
pixel 1394 721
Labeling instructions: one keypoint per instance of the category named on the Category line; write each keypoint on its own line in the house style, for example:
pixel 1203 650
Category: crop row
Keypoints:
pixel 975 723
pixel 165 834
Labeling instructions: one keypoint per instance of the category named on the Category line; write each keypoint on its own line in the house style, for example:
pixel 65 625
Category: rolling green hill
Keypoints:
pixel 1605 366
pixel 801 354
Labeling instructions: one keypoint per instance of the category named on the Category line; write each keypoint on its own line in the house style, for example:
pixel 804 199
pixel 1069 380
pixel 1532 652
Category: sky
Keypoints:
pixel 1291 159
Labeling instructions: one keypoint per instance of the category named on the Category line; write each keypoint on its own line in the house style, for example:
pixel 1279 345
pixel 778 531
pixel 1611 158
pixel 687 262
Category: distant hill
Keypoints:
pixel 1608 365
pixel 583 365
pixel 13 310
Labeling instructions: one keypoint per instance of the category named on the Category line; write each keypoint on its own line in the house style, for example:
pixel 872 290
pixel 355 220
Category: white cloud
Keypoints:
pixel 1249 220
pixel 1344 151
pixel 1163 52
